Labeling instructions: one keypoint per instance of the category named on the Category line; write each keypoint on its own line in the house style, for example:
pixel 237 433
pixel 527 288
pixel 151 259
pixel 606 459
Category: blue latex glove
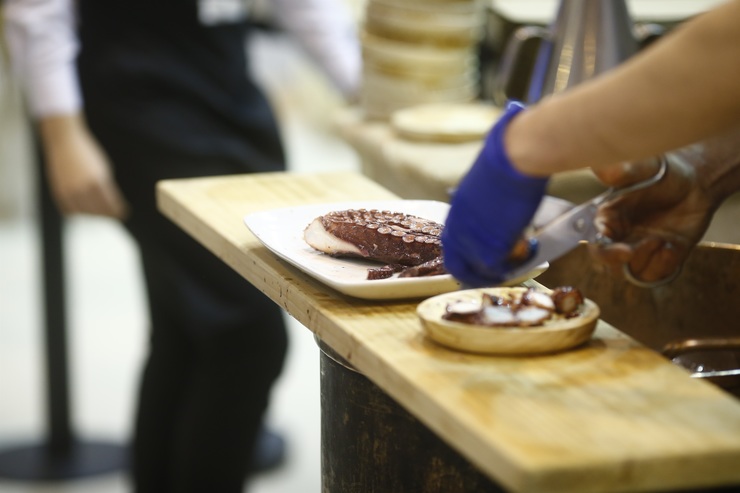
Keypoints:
pixel 490 210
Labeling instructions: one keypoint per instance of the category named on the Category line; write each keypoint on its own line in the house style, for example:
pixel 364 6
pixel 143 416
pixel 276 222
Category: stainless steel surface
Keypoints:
pixel 586 38
pixel 714 359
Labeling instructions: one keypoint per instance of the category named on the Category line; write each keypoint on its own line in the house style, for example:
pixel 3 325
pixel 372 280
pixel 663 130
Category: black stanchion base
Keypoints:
pixel 81 460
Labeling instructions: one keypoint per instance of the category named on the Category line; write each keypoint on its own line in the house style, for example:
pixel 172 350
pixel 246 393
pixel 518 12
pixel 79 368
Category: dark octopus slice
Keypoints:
pixel 393 238
pixel 532 308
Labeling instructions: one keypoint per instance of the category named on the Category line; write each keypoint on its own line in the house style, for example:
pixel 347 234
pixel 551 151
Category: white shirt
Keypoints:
pixel 41 36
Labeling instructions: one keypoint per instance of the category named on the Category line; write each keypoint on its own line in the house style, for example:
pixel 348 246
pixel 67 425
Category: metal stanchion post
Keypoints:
pixel 61 455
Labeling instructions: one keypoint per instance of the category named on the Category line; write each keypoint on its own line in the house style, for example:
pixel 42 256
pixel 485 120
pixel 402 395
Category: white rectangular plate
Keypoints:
pixel 281 231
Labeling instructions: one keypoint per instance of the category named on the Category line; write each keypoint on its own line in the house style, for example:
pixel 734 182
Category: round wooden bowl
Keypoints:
pixel 553 336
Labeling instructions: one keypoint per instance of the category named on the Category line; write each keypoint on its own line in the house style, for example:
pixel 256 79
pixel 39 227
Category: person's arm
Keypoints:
pixel 43 46
pixel 79 174
pixel 682 89
pixel 328 33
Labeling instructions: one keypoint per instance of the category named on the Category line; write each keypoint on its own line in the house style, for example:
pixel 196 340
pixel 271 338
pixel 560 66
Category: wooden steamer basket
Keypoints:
pixel 417 52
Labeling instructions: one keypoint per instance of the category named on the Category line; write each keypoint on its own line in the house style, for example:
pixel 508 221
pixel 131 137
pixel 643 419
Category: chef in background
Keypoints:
pixel 683 92
pixel 129 92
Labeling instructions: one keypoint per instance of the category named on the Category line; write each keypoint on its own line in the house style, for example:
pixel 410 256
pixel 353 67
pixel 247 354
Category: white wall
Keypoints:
pixel 16 169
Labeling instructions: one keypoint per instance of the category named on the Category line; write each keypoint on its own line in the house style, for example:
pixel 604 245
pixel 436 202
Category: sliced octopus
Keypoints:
pixel 396 239
pixel 531 308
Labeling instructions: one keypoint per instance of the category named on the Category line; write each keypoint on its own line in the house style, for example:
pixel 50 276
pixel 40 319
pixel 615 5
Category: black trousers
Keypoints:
pixel 217 344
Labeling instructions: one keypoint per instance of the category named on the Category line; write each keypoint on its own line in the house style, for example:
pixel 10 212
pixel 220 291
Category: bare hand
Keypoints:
pixel 79 174
pixel 655 229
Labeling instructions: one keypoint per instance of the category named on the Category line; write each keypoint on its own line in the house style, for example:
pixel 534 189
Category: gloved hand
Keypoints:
pixel 491 208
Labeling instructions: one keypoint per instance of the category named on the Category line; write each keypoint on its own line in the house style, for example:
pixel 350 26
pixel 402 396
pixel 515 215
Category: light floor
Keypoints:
pixel 107 320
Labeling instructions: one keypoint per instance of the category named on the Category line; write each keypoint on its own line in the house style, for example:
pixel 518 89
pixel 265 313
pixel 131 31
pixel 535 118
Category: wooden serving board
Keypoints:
pixel 609 416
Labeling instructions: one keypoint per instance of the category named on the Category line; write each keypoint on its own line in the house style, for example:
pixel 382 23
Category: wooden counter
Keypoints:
pixel 610 416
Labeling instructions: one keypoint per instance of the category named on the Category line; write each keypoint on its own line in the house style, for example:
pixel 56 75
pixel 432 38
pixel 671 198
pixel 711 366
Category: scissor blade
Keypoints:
pixel 558 237
pixel 550 209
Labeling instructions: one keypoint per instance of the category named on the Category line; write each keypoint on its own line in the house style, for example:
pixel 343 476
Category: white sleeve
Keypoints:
pixel 43 45
pixel 328 32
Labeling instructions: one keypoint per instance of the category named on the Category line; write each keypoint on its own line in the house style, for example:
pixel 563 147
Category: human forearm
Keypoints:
pixel 57 129
pixel 681 90
pixel 717 165
pixel 80 175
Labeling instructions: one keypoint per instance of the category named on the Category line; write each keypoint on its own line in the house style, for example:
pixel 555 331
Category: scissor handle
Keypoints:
pixel 614 193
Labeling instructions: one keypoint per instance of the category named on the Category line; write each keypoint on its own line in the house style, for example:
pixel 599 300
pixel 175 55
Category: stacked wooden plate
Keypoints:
pixel 445 122
pixel 419 51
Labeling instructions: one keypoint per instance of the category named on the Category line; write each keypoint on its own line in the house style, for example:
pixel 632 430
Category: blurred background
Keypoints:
pixel 107 326
pixel 107 320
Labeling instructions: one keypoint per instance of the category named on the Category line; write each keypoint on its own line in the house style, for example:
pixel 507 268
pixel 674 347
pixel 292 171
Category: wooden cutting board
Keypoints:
pixel 609 416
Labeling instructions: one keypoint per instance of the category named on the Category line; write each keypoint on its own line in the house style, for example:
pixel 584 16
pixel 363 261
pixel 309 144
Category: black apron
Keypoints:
pixel 168 97
pixel 153 74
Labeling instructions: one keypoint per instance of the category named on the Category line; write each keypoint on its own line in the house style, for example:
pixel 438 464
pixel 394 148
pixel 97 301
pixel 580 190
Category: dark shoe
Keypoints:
pixel 269 451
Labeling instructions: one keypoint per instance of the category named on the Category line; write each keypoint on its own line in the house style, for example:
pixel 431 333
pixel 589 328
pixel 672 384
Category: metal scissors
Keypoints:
pixel 566 231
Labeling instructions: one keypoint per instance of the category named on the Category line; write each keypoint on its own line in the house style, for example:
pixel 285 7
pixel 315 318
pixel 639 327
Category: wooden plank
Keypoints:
pixel 610 416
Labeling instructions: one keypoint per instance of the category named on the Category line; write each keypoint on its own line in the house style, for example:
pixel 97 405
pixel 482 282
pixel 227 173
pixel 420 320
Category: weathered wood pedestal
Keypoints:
pixel 369 443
